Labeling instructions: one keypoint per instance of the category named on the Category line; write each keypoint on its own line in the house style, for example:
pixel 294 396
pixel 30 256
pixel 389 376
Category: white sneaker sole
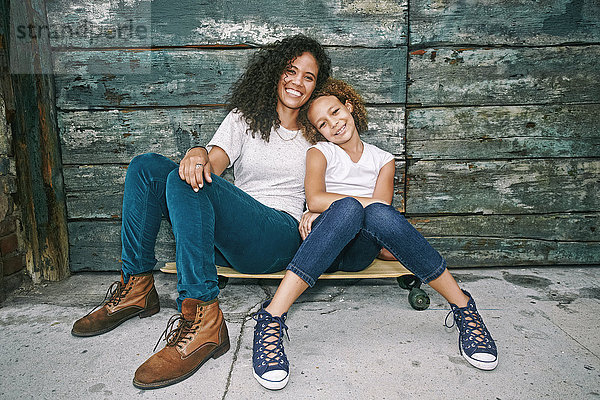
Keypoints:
pixel 272 385
pixel 484 365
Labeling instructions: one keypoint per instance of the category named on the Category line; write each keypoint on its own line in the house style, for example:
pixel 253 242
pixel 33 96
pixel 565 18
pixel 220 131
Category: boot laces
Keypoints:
pixel 115 293
pixel 271 338
pixel 178 335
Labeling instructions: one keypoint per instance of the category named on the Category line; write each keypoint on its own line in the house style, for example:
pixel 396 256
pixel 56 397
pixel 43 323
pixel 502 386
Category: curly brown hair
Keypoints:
pixel 344 92
pixel 255 92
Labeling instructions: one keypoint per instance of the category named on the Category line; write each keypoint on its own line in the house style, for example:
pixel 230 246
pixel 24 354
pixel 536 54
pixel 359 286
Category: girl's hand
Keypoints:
pixel 195 168
pixel 385 254
pixel 306 223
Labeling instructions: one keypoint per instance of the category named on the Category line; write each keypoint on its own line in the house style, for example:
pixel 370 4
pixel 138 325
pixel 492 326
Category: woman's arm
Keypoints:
pixel 219 160
pixel 317 198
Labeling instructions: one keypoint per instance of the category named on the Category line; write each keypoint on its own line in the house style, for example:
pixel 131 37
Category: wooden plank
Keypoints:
pixel 31 111
pixel 116 136
pixel 479 133
pixel 96 191
pixel 504 76
pixel 493 252
pixel 584 227
pixel 398 201
pixel 520 22
pixel 386 129
pixel 347 23
pixel 96 246
pixel 503 187
pixel 184 77
pixel 95 79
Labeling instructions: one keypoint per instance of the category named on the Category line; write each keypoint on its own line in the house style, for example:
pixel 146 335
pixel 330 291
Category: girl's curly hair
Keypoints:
pixel 255 92
pixel 344 92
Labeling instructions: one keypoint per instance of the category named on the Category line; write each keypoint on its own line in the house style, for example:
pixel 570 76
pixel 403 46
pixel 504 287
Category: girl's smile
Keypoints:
pixel 333 119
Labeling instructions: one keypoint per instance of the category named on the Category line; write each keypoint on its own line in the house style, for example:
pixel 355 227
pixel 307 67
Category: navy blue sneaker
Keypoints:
pixel 271 367
pixel 474 341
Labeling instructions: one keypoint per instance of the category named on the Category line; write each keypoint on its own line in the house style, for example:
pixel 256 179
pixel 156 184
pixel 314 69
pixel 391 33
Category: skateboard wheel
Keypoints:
pixel 222 281
pixel 418 299
pixel 408 282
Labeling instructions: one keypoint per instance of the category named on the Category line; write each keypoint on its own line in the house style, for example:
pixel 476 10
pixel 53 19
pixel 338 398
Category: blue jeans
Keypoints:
pixel 348 237
pixel 220 224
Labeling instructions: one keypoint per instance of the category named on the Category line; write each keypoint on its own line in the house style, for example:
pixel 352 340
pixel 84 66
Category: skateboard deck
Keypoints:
pixel 417 298
pixel 377 269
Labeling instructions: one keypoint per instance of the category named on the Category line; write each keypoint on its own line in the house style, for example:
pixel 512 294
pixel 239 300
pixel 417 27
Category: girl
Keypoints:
pixel 349 189
pixel 252 226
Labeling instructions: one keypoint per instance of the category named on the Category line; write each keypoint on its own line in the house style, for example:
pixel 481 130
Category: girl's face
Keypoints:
pixel 332 119
pixel 297 82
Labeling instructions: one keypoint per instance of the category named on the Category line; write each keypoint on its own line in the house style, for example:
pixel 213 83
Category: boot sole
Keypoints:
pixel 142 314
pixel 216 353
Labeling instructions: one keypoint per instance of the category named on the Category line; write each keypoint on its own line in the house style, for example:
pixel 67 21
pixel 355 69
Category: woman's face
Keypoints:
pixel 297 82
pixel 332 119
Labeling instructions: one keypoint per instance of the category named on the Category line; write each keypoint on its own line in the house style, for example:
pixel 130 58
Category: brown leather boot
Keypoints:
pixel 200 335
pixel 137 297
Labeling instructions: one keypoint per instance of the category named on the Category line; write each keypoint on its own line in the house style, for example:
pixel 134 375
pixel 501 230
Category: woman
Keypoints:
pixel 252 226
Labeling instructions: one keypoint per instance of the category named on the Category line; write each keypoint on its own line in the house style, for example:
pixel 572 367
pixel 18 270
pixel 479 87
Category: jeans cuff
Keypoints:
pixel 301 274
pixel 436 273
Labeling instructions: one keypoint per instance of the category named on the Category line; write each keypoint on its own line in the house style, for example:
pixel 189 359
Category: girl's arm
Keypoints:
pixel 318 200
pixel 384 187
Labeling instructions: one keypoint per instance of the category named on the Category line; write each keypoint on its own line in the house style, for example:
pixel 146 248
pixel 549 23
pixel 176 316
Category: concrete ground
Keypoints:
pixel 349 339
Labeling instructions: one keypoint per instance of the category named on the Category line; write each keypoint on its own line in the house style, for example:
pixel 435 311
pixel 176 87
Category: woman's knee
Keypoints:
pixel 175 183
pixel 151 165
pixel 177 187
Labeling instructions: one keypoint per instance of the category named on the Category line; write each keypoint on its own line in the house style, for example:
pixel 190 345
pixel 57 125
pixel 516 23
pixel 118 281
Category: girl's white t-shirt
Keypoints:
pixel 273 172
pixel 343 176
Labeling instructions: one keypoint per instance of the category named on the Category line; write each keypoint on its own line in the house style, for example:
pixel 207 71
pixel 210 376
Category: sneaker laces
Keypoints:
pixel 177 335
pixel 272 352
pixel 470 324
pixel 116 291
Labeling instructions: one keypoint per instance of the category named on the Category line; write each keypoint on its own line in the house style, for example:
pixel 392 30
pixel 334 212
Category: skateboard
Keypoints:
pixel 417 297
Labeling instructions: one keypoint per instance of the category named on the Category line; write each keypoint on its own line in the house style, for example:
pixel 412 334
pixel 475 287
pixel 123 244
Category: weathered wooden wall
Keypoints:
pixel 491 108
pixel 27 87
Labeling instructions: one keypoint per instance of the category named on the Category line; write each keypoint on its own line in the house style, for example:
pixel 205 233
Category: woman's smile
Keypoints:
pixel 293 92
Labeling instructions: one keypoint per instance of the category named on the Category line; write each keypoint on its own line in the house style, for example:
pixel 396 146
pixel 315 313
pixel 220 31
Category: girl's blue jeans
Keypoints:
pixel 348 237
pixel 220 224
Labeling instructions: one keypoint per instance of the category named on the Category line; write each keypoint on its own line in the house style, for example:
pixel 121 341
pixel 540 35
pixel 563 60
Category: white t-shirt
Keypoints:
pixel 343 176
pixel 273 172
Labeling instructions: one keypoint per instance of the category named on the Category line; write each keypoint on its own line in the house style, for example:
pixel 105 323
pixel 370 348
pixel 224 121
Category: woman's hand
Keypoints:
pixel 306 223
pixel 195 168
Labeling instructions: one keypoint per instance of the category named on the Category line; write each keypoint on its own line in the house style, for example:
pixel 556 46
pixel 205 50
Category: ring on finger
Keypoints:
pixel 198 166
